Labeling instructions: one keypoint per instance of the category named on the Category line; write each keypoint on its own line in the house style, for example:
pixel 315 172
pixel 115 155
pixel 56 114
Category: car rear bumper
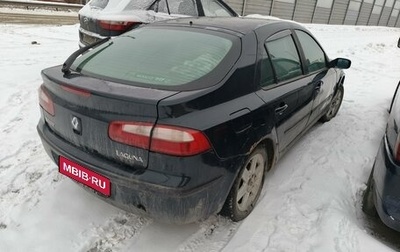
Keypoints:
pixel 162 195
pixel 387 187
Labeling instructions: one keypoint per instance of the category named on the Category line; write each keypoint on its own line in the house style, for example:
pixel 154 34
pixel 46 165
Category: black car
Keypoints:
pixel 382 196
pixel 187 126
pixel 103 18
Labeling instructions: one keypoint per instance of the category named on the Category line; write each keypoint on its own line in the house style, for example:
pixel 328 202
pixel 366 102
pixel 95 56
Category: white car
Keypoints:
pixel 104 18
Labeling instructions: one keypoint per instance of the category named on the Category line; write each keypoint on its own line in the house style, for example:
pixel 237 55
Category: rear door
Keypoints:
pixel 284 87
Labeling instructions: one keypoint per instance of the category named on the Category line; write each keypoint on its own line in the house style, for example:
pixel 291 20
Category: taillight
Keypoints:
pixel 178 141
pixel 115 25
pixel 164 139
pixel 135 134
pixel 396 151
pixel 45 101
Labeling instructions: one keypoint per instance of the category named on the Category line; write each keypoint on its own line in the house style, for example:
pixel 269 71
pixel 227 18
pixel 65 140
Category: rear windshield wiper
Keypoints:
pixel 67 64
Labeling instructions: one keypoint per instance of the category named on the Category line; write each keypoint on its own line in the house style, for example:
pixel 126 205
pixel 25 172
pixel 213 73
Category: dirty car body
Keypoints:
pixel 104 18
pixel 184 128
pixel 382 196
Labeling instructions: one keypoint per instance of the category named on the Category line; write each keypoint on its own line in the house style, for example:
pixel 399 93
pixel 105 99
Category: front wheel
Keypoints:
pixel 247 187
pixel 334 105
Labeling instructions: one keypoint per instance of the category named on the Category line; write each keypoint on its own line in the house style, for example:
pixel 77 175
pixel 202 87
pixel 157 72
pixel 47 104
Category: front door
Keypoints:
pixel 320 77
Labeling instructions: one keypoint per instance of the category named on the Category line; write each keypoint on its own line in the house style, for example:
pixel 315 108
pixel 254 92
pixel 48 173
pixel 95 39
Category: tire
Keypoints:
pixel 247 187
pixel 334 105
pixel 368 205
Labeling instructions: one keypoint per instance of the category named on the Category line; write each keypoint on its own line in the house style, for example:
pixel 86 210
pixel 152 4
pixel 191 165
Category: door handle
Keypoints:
pixel 318 86
pixel 279 110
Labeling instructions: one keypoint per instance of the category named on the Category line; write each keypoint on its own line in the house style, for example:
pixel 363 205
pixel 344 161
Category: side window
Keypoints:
pixel 185 7
pixel 182 7
pixel 315 56
pixel 266 72
pixel 284 57
pixel 212 8
pixel 161 6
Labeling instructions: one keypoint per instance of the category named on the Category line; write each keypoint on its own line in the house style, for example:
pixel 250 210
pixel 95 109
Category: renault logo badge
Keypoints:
pixel 76 125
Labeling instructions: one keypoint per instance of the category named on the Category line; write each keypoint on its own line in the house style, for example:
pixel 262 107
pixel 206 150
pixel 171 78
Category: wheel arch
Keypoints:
pixel 270 147
pixel 270 144
pixel 340 82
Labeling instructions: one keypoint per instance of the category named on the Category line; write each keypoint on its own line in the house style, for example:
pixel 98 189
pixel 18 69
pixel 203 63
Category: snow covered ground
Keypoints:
pixel 310 202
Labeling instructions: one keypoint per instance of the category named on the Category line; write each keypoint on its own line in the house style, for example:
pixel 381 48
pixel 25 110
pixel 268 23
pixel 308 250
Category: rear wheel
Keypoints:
pixel 247 187
pixel 334 105
pixel 368 205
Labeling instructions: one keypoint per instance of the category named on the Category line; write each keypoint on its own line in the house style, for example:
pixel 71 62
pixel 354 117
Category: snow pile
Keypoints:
pixel 310 202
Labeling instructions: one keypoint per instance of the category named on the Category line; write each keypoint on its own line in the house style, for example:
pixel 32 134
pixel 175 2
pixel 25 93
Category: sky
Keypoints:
pixel 311 200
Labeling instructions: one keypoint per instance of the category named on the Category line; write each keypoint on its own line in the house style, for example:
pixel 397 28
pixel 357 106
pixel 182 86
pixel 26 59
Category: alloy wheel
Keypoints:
pixel 250 182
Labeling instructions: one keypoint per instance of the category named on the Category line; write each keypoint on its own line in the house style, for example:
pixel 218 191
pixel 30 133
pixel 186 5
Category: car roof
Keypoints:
pixel 242 25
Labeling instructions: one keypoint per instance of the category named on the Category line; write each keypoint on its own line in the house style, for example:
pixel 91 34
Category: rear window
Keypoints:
pixel 160 58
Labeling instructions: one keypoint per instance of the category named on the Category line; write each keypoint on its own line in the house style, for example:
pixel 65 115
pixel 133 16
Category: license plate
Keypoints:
pixel 88 39
pixel 85 176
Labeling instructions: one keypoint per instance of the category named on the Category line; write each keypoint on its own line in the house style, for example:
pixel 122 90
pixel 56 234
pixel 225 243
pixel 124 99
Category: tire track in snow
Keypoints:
pixel 292 219
pixel 17 111
pixel 24 176
pixel 213 235
pixel 346 241
pixel 339 165
pixel 14 155
pixel 297 223
pixel 25 170
pixel 113 233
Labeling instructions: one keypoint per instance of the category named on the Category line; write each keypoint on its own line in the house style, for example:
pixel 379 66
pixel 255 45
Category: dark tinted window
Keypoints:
pixel 267 74
pixel 315 57
pixel 285 58
pixel 156 57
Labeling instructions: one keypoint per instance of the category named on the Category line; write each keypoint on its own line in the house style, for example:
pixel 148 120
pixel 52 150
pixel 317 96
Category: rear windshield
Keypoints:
pixel 160 58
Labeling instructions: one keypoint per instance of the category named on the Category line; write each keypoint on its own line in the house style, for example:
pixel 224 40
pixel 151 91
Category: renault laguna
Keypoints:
pixel 184 118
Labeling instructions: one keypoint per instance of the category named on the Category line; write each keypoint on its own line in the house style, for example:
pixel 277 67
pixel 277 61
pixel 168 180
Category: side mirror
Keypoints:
pixel 340 63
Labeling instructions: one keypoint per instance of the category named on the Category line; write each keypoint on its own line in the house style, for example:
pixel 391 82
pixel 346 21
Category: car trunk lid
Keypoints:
pixel 84 107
